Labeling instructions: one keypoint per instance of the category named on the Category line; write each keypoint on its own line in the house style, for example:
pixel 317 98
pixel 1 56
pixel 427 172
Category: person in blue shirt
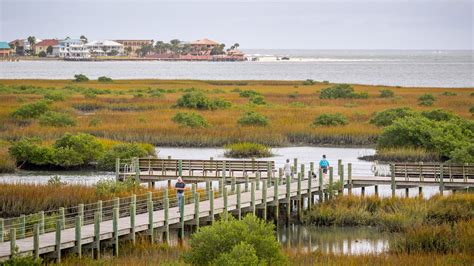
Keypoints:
pixel 324 164
pixel 180 186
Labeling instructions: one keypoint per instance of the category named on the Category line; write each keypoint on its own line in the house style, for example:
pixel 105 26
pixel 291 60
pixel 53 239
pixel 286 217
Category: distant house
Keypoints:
pixel 19 46
pixel 203 46
pixel 105 48
pixel 71 49
pixel 44 44
pixel 134 45
pixel 5 49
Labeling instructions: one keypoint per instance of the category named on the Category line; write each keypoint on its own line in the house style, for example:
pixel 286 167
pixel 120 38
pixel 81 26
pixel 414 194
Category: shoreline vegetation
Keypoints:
pixel 199 113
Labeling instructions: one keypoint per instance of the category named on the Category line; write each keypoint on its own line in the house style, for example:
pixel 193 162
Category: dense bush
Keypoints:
pixel 87 107
pixel 447 138
pixel 104 79
pixel 192 120
pixel 426 99
pixel 258 100
pixel 228 241
pixel 247 150
pixel 438 115
pixel 386 93
pixel 386 117
pixel 55 119
pixel 471 109
pixel 308 82
pixel 31 110
pixel 341 91
pixel 253 119
pixel 124 151
pixel 80 78
pixel 336 119
pixel 449 93
pixel 248 93
pixel 197 100
pixel 54 96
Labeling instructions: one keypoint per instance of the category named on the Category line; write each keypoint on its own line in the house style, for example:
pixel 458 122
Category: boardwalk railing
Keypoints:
pixel 431 170
pixel 87 225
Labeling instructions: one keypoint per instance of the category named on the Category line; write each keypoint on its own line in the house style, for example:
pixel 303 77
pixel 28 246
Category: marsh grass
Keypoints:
pixel 247 150
pixel 403 154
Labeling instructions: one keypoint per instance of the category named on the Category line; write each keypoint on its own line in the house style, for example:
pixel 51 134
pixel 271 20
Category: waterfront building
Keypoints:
pixel 44 44
pixel 105 48
pixel 203 46
pixel 5 49
pixel 62 48
pixel 133 45
pixel 78 52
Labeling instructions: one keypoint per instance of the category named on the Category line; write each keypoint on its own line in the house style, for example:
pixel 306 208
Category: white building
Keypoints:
pixel 71 49
pixel 102 48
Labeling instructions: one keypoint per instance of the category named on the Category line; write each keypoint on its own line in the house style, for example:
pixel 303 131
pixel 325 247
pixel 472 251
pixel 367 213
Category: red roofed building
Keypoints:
pixel 44 44
pixel 203 46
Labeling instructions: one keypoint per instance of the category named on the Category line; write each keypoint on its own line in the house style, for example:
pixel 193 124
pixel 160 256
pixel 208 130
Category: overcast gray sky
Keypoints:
pixel 356 24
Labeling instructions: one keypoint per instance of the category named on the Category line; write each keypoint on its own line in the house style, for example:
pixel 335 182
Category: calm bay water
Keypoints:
pixel 376 67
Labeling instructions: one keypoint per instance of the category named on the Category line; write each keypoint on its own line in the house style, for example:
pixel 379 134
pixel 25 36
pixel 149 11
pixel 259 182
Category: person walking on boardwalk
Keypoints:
pixel 324 165
pixel 180 185
pixel 287 169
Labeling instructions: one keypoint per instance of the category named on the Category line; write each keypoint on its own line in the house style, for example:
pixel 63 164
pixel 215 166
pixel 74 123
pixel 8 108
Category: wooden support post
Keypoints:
pixel 80 212
pixel 339 163
pixel 208 186
pixel 12 242
pixel 196 209
pixel 181 212
pixel 341 179
pixel 321 185
pixel 36 241
pixel 331 181
pixel 99 209
pixel 180 167
pixel 150 217
pixel 166 237
pixel 302 171
pixel 97 219
pixel 420 191
pixel 376 188
pixel 275 196
pixel 211 205
pixel 269 172
pixel 62 217
pixel 246 183
pixel 116 202
pixel 41 222
pixel 407 192
pixel 362 191
pixel 288 202
pixel 224 171
pixel 21 229
pixel 349 178
pixel 115 218
pixel 79 236
pixel 137 170
pixel 393 183
pixel 441 179
pixel 225 203
pixel 59 227
pixel 239 203
pixel 117 169
pixel 264 200
pixel 133 211
pixel 257 181
pixel 232 184
pixel 252 197
pixel 295 165
pixel 310 190
pixel 311 167
pixel 2 228
pixel 298 196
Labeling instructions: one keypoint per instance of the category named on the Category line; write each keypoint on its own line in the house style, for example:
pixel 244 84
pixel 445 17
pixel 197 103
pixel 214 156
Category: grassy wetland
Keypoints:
pixel 216 113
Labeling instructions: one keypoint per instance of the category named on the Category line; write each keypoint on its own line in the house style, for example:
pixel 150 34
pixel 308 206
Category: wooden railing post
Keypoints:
pixel 36 241
pixel 349 178
pixel 115 218
pixel 117 169
pixel 59 227
pixel 167 217
pixel 62 217
pixel 80 212
pixel 257 181
pixel 276 196
pixel 264 200
pixel 441 179
pixel 2 226
pixel 225 203
pixel 295 165
pixel 181 212
pixel 12 242
pixel 97 219
pixel 341 178
pixel 137 169
pixel 211 204
pixel 150 216
pixel 321 185
pixel 21 229
pixel 310 191
pixel 239 204
pixel 180 168
pixel 78 236
pixel 196 209
pixel 298 196
pixel 393 182
pixel 99 209
pixel 288 201
pixel 311 167
pixel 302 171
pixel 252 197
pixel 133 211
pixel 331 181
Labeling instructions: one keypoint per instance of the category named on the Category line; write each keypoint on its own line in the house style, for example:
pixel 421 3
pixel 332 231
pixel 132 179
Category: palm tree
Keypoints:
pixel 83 38
pixel 32 42
pixel 236 45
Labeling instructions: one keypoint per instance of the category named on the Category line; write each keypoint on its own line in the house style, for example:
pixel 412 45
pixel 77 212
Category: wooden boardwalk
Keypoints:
pixel 125 221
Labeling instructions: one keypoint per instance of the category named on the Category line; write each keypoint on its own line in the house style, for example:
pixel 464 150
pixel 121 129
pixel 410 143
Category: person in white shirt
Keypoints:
pixel 287 169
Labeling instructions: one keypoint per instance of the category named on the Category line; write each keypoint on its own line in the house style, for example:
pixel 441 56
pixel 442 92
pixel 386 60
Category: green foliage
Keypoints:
pixel 192 120
pixel 104 79
pixel 426 99
pixel 449 93
pixel 89 148
pixel 31 110
pixel 447 138
pixel 112 187
pixel 336 119
pixel 124 151
pixel 464 154
pixel 438 115
pixel 95 122
pixel 471 109
pixel 253 119
pixel 308 82
pixel 248 93
pixel 54 96
pixel 87 107
pixel 56 119
pixel 80 78
pixel 258 100
pixel 341 91
pixel 17 260
pixel 293 95
pixel 197 100
pixel 247 150
pixel 30 150
pixel 386 93
pixel 386 117
pixel 230 240
pixel 42 54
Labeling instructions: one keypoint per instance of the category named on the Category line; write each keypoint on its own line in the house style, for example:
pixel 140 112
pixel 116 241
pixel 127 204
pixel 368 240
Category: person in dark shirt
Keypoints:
pixel 180 185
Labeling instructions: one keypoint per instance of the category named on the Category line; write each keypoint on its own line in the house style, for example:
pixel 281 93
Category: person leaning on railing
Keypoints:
pixel 179 186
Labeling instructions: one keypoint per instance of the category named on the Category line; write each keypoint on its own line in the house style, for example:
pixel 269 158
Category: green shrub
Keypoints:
pixel 89 148
pixel 197 100
pixel 426 99
pixel 112 187
pixel 341 91
pixel 258 100
pixel 293 95
pixel 66 157
pixel 308 82
pixel 471 109
pixel 104 79
pixel 386 93
pixel 55 119
pixel 386 117
pixel 54 96
pixel 31 110
pixel 30 150
pixel 192 120
pixel 297 104
pixel 247 150
pixel 228 240
pixel 253 119
pixel 248 93
pixel 124 151
pixel 87 107
pixel 80 78
pixel 95 122
pixel 438 115
pixel 336 119
pixel 449 93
